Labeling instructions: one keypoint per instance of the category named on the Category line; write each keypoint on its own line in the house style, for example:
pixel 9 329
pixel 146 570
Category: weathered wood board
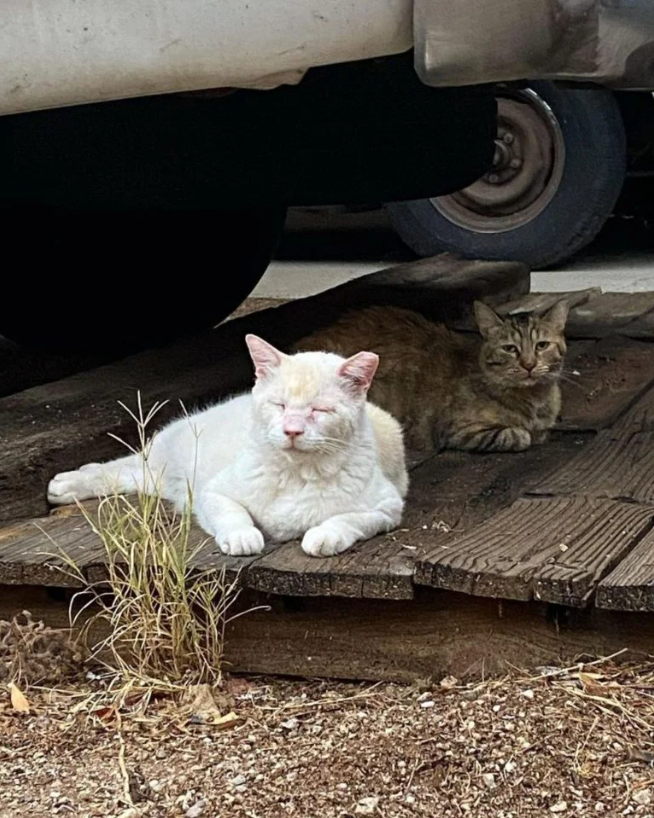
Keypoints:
pixel 609 313
pixel 630 587
pixel 556 524
pixel 435 635
pixel 619 468
pixel 602 379
pixel 541 302
pixel 554 549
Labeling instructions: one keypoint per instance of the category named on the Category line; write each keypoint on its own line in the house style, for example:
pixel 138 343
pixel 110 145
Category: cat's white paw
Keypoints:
pixel 69 486
pixel 244 542
pixel 325 541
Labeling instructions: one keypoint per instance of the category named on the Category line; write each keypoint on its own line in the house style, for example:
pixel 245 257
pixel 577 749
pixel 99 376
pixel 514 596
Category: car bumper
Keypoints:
pixel 610 42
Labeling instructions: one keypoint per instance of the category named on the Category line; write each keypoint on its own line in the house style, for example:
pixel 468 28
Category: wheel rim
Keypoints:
pixel 526 173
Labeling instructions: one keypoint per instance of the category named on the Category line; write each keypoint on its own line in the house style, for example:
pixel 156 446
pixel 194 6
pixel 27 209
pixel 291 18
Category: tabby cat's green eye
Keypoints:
pixel 541 345
pixel 510 348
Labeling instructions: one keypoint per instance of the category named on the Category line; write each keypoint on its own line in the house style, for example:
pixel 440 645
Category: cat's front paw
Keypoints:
pixel 325 541
pixel 69 486
pixel 243 542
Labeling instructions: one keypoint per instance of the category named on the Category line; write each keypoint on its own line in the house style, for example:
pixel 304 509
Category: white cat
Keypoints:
pixel 302 455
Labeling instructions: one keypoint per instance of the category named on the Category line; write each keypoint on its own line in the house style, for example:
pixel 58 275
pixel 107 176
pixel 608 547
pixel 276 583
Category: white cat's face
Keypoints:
pixel 312 401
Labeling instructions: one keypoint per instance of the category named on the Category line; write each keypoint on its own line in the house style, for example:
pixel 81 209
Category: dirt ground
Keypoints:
pixel 560 743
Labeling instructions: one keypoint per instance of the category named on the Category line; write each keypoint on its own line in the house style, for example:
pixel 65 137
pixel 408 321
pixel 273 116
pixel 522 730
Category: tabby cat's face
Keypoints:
pixel 522 350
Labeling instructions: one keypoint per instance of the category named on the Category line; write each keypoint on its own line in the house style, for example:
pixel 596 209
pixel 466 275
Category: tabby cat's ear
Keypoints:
pixel 487 319
pixel 359 370
pixel 556 316
pixel 264 355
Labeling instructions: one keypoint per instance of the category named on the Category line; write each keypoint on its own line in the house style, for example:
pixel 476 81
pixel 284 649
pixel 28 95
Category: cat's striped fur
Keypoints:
pixel 493 392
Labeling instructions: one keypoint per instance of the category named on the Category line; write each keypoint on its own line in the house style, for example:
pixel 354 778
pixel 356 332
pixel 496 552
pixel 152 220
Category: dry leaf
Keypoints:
pixel 227 721
pixel 18 701
pixel 206 705
pixel 591 686
pixel 237 686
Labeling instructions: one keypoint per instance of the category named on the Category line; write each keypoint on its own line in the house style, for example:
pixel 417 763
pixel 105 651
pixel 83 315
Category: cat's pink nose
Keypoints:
pixel 293 433
pixel 529 365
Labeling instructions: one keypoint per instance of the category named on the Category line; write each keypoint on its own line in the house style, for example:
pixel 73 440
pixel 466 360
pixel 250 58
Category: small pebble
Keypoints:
pixel 367 806
pixel 642 797
pixel 562 806
pixel 196 810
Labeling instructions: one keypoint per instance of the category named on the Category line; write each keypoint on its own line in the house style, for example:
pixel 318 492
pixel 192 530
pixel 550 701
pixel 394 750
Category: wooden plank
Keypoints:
pixel 602 379
pixel 449 494
pixel 381 568
pixel 438 634
pixel 553 549
pixel 630 586
pixel 56 427
pixel 607 314
pixel 527 303
pixel 540 302
pixel 619 467
pixel 35 552
pixel 639 418
pixel 642 327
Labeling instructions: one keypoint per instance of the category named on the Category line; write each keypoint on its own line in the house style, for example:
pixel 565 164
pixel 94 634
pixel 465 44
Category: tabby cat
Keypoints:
pixel 493 392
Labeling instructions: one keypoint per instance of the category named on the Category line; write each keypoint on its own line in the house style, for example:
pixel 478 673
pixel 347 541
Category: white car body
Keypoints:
pixel 66 52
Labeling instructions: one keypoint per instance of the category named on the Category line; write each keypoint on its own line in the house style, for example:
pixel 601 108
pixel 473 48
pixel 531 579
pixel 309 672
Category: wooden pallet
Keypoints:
pixel 561 534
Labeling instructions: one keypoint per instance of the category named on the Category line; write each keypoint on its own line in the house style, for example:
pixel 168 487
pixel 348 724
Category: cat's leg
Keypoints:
pixel 127 474
pixel 340 532
pixel 229 523
pixel 476 437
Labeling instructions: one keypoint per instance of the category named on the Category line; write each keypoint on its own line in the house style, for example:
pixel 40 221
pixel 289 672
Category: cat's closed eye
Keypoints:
pixel 281 406
pixel 512 348
pixel 325 410
pixel 542 345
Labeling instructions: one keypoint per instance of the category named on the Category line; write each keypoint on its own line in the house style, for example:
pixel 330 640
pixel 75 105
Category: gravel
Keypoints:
pixel 566 744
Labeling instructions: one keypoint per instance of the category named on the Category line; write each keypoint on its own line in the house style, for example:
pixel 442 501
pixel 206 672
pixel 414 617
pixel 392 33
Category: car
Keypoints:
pixel 562 158
pixel 151 147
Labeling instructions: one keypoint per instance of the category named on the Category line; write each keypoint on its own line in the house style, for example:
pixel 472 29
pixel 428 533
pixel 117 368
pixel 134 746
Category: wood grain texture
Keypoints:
pixel 449 494
pixel 641 327
pixel 602 380
pixel 58 426
pixel 435 635
pixel 607 314
pixel 541 302
pixel 639 418
pixel 553 549
pixel 39 552
pixel 381 568
pixel 619 467
pixel 630 586
pixel 526 303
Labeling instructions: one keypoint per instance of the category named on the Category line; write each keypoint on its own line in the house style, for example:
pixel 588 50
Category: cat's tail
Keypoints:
pixel 122 476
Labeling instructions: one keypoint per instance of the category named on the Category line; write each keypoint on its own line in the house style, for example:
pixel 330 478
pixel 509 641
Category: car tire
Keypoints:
pixel 559 167
pixel 117 283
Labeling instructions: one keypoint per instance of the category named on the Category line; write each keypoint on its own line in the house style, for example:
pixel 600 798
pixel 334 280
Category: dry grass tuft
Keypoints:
pixel 165 620
pixel 32 653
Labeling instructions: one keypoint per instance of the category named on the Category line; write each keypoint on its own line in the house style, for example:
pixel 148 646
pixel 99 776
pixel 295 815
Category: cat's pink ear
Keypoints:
pixel 359 370
pixel 264 355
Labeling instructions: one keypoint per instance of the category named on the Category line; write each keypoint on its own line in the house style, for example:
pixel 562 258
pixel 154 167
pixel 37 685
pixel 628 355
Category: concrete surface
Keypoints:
pixel 625 273
pixel 322 248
